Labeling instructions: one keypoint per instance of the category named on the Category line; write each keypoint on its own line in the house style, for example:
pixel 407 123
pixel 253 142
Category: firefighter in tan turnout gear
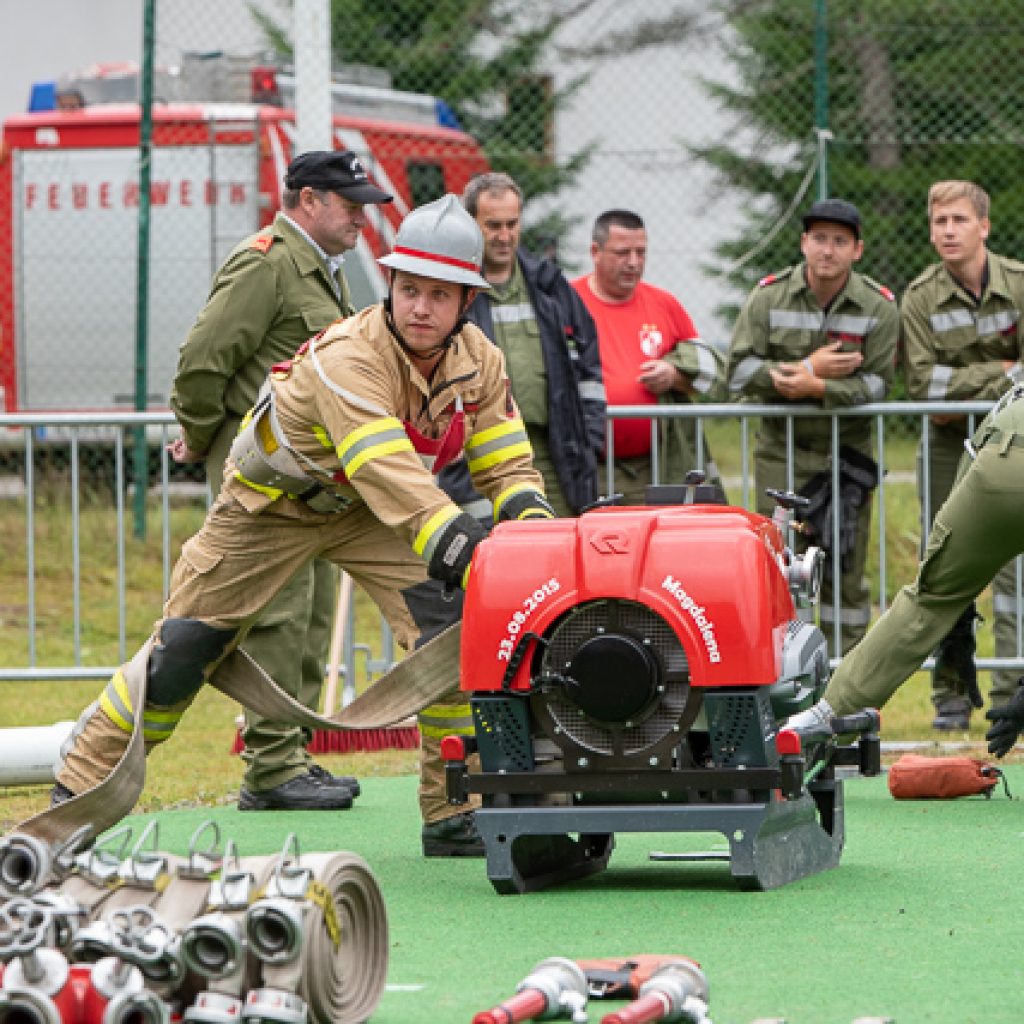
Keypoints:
pixel 337 459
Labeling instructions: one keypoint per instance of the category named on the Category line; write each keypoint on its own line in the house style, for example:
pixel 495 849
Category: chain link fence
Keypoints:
pixel 717 122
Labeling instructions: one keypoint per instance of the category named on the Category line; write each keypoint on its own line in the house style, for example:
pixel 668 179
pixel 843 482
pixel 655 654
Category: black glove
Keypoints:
pixel 850 504
pixel 858 477
pixel 527 504
pixel 1007 724
pixel 454 550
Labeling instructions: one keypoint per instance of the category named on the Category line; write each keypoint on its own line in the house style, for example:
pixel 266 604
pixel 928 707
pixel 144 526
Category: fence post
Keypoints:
pixel 140 446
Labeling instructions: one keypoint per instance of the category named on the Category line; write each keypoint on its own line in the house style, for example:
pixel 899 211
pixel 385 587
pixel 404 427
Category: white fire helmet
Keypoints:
pixel 442 241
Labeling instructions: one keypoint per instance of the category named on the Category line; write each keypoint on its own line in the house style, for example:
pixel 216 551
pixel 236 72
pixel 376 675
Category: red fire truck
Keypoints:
pixel 69 203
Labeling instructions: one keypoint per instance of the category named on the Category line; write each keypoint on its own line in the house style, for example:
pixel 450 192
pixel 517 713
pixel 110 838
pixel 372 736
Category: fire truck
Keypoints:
pixel 69 208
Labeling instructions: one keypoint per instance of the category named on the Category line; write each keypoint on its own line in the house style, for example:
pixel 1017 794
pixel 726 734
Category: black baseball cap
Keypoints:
pixel 339 171
pixel 835 211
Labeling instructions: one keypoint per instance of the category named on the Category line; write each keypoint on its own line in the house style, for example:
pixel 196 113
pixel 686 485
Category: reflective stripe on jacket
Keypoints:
pixel 343 405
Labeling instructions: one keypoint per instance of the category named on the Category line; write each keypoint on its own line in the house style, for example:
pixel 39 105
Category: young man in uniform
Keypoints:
pixel 976 531
pixel 650 353
pixel 821 333
pixel 337 459
pixel 962 340
pixel 276 290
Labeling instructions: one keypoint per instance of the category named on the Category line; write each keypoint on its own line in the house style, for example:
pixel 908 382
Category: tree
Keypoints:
pixel 482 57
pixel 918 91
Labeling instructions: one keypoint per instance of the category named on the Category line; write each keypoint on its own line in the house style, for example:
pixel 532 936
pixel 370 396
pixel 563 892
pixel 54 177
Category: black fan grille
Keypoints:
pixel 623 617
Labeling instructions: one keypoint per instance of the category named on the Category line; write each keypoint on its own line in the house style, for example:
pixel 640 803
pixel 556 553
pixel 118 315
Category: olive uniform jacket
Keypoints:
pixel 782 322
pixel 954 347
pixel 272 294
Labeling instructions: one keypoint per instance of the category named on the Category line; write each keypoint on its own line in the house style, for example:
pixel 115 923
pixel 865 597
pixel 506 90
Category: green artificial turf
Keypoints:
pixel 921 922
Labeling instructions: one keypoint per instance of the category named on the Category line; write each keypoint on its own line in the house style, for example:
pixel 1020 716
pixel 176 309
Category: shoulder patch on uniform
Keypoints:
pixel 262 243
pixel 780 275
pixel 886 293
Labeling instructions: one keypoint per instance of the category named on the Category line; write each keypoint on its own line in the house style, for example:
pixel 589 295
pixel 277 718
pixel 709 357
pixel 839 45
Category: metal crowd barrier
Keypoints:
pixel 24 436
pixel 747 416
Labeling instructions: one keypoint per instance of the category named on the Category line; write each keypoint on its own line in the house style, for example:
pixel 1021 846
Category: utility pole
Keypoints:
pixel 312 31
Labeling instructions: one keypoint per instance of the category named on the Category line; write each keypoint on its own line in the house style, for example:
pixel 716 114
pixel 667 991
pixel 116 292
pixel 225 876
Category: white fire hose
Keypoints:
pixel 413 684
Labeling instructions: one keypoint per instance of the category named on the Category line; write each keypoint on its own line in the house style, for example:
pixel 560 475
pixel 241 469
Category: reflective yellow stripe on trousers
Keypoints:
pixel 157 724
pixel 440 720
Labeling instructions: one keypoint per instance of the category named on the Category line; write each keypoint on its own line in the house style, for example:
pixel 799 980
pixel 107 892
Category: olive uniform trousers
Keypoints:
pixel 944 456
pixel 976 532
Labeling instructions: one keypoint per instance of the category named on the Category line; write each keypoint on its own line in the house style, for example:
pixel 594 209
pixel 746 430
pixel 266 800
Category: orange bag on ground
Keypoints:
pixel 914 777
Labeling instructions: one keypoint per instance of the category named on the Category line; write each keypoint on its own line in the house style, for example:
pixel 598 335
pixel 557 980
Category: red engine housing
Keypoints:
pixel 715 574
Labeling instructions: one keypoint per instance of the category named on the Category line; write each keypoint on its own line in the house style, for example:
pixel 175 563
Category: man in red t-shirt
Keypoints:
pixel 650 353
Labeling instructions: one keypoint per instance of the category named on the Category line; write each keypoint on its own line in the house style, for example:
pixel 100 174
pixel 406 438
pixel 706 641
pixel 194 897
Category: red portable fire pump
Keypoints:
pixel 629 671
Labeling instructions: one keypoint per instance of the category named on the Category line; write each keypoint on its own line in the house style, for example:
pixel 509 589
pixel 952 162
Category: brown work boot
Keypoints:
pixel 452 837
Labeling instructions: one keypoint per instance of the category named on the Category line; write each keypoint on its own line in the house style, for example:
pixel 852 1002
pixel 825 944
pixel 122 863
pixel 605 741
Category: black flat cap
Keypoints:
pixel 835 211
pixel 339 171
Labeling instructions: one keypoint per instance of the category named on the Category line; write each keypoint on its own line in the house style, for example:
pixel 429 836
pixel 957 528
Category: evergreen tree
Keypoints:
pixel 918 91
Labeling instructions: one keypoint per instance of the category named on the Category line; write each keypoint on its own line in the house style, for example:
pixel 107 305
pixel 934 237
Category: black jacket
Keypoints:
pixel 576 402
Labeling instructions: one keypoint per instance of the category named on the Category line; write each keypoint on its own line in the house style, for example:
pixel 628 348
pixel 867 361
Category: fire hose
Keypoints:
pixel 285 939
pixel 409 687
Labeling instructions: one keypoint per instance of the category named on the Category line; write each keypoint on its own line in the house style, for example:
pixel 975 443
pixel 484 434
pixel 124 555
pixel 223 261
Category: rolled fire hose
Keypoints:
pixel 345 947
pixel 335 957
pixel 413 684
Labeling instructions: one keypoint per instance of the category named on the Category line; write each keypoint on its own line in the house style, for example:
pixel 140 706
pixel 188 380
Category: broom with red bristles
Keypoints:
pixel 403 736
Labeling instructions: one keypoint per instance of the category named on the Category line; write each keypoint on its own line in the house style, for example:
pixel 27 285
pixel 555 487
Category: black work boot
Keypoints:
pixel 307 792
pixel 952 715
pixel 350 781
pixel 452 837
